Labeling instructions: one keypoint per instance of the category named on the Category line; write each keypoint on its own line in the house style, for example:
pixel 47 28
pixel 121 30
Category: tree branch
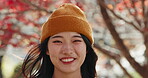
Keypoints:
pixel 119 41
pixel 108 53
pixel 38 7
pixel 145 32
pixel 117 16
pixel 113 56
pixel 145 13
pixel 136 12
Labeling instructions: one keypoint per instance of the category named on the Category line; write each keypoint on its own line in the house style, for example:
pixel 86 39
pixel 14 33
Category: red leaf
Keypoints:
pixel 7 17
pixel 10 2
pixel 80 5
pixel 1 23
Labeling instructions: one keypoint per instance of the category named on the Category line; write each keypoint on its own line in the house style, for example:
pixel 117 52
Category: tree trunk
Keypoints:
pixel 145 35
pixel 119 42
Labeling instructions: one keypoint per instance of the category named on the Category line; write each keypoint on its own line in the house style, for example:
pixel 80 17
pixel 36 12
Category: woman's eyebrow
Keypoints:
pixel 56 37
pixel 77 36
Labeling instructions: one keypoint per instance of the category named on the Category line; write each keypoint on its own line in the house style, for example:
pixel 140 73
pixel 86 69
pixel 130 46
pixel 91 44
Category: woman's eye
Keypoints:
pixel 77 41
pixel 57 42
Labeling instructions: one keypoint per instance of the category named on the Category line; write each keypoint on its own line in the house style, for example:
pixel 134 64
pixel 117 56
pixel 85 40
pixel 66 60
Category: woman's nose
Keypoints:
pixel 67 49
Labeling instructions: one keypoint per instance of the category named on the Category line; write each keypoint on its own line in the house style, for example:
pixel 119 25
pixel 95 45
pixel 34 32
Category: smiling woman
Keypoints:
pixel 65 50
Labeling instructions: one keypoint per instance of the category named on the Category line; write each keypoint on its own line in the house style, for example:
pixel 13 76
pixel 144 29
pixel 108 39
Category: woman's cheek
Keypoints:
pixel 81 48
pixel 54 50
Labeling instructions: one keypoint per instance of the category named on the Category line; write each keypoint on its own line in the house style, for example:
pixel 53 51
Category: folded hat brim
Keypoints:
pixel 66 23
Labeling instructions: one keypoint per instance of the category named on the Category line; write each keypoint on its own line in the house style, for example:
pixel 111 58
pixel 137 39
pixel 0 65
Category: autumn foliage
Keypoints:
pixel 21 20
pixel 18 16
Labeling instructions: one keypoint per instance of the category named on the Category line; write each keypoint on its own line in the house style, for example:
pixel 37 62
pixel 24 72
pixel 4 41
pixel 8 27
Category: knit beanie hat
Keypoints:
pixel 68 17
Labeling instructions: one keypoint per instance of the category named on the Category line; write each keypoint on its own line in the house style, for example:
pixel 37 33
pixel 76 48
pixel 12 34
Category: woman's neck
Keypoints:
pixel 59 74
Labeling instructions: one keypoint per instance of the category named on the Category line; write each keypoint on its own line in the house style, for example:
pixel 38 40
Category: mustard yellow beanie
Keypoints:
pixel 68 17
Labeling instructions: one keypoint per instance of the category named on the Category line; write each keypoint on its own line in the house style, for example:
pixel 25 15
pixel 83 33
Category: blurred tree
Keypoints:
pixel 17 16
pixel 21 20
pixel 134 13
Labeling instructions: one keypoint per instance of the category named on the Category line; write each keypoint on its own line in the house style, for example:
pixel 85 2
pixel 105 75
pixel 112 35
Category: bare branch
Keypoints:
pixel 134 8
pixel 119 41
pixel 108 53
pixel 145 13
pixel 143 8
pixel 38 7
pixel 124 70
pixel 146 18
pixel 117 16
pixel 113 56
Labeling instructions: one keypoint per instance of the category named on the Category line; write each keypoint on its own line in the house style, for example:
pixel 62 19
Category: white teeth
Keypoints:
pixel 67 60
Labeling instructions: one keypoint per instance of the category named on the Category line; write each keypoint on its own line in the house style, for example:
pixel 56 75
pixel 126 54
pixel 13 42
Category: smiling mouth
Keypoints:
pixel 67 60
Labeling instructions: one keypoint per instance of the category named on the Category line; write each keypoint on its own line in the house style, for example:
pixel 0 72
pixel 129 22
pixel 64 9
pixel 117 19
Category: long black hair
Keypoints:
pixel 37 63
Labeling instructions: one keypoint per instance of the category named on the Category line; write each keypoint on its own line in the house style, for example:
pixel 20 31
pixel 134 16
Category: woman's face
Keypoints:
pixel 67 51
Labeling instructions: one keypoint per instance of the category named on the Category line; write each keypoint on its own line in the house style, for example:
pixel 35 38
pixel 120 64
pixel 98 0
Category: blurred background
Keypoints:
pixel 120 30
